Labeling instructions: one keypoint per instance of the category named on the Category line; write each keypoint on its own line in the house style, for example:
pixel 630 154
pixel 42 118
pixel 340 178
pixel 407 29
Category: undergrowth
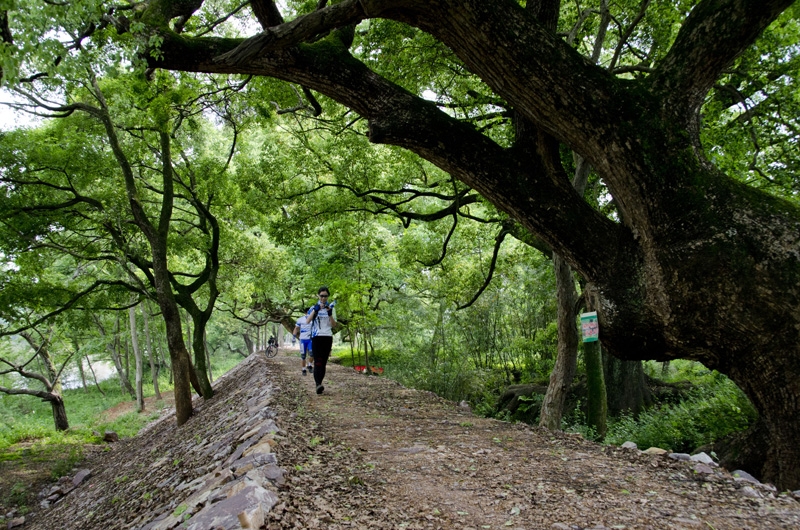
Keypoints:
pixel 710 412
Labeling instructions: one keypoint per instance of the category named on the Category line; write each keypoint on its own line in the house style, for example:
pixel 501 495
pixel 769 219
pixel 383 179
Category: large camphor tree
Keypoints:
pixel 698 265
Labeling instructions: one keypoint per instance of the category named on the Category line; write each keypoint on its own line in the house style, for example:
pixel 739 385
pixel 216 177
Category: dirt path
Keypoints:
pixel 371 453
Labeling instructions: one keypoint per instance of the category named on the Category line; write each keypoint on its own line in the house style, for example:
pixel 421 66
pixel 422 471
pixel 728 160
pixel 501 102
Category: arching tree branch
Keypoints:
pixel 498 242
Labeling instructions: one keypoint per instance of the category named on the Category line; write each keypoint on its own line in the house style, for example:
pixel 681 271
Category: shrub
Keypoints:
pixel 711 412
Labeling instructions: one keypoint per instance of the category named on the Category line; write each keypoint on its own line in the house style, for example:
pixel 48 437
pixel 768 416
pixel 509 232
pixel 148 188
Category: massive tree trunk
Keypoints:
pixel 626 388
pixel 700 266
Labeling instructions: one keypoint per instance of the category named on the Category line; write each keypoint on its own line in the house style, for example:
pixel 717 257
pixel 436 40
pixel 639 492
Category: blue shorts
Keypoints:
pixel 305 347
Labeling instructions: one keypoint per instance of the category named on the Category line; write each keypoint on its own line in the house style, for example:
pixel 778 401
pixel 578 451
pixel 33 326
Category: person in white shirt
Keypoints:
pixel 302 330
pixel 322 324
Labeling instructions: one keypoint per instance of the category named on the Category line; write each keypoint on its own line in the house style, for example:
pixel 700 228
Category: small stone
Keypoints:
pixel 16 522
pixel 683 457
pixel 630 445
pixel 703 469
pixel 655 451
pixel 703 458
pixel 80 476
pixel 685 521
pixel 744 476
pixel 747 491
pixel 111 436
pixel 767 487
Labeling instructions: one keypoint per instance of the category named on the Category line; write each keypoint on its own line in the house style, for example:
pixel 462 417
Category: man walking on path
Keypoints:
pixel 302 330
pixel 322 324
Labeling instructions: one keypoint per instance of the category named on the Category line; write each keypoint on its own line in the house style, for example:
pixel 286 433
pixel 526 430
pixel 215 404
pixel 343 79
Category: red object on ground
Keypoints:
pixel 363 369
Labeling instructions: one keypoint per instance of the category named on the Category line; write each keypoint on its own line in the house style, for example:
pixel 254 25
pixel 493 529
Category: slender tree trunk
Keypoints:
pixel 52 384
pixel 47 363
pixel 111 346
pixel 366 352
pixel 200 381
pixel 567 299
pixel 127 351
pixel 94 376
pixel 181 366
pixel 249 343
pixel 157 236
pixel 154 366
pixel 59 412
pixel 567 358
pixel 137 353
pixel 188 324
pixel 352 349
pixel 79 364
pixel 208 355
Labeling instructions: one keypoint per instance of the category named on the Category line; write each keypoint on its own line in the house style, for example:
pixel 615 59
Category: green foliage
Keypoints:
pixel 27 419
pixel 680 370
pixel 712 411
pixel 751 127
pixel 528 409
pixel 448 374
pixel 65 464
pixel 17 495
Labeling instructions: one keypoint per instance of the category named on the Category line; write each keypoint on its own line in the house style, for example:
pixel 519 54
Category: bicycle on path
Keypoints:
pixel 272 347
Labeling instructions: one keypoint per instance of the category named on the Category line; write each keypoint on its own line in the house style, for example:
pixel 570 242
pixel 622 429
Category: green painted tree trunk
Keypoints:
pixel 597 407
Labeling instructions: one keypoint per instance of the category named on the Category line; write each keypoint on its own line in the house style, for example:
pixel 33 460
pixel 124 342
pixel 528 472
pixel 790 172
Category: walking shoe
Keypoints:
pixel 304 371
pixel 310 369
pixel 320 389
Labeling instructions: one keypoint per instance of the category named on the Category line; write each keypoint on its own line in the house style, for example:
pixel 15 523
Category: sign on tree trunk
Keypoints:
pixel 589 326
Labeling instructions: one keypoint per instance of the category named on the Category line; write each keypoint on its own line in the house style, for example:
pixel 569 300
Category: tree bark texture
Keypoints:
pixel 59 412
pixel 155 367
pixel 626 388
pixel 597 407
pixel 567 358
pixel 700 266
pixel 137 355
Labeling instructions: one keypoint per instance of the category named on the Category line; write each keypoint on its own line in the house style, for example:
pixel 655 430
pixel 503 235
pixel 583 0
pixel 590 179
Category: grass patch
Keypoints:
pixel 27 468
pixel 33 454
